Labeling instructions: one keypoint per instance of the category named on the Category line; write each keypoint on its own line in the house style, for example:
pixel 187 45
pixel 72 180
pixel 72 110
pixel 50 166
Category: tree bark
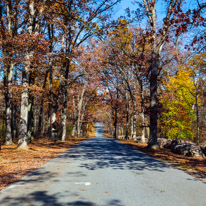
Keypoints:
pixel 65 100
pixel 8 97
pixel 127 116
pixel 23 137
pixel 198 118
pixel 41 111
pixel 22 143
pixel 8 80
pixel 142 113
pixel 30 118
pixel 116 113
pixel 74 126
pixel 79 109
pixel 152 143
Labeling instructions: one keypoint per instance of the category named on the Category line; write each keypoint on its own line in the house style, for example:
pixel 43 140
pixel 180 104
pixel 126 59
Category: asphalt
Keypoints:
pixel 105 172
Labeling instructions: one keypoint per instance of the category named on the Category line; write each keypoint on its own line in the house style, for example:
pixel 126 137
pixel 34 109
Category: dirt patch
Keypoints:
pixel 16 164
pixel 192 165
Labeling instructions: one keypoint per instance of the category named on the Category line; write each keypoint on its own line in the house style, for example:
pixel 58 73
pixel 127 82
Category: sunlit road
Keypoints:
pixel 104 172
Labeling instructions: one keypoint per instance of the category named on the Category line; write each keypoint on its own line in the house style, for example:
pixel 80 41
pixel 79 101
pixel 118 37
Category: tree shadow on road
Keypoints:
pixel 41 198
pixel 99 153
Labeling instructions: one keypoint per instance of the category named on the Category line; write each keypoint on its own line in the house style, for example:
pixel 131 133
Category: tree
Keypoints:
pixel 158 37
pixel 78 23
pixel 196 66
pixel 32 33
pixel 178 101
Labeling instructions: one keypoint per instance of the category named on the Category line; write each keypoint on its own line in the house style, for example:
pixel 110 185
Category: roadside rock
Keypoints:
pixel 204 150
pixel 162 142
pixel 182 147
pixel 190 150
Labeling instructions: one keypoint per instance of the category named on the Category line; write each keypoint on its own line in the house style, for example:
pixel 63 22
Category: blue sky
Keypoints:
pixel 119 9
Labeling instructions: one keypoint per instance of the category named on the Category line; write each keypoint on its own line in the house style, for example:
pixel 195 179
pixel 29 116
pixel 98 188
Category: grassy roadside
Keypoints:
pixel 16 164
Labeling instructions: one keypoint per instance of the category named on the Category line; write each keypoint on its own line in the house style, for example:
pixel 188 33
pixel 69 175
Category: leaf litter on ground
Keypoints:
pixel 15 164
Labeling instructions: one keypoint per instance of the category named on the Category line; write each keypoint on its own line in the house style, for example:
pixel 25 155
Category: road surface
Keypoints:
pixel 104 172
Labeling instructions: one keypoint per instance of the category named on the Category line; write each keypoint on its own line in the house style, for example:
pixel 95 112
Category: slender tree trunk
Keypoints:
pixel 132 126
pixel 30 118
pixel 30 125
pixel 40 122
pixel 74 128
pixel 115 122
pixel 82 115
pixel 197 121
pixel 14 120
pixel 14 111
pixel 122 131
pixel 115 114
pixel 65 100
pixel 127 116
pixel 119 131
pixel 35 120
pixel 142 113
pixel 52 107
pixel 79 109
pixel 64 113
pixel 134 136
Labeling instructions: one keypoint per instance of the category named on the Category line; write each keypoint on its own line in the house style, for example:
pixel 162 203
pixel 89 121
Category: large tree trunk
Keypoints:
pixel 157 42
pixel 152 143
pixel 22 143
pixel 8 96
pixel 8 73
pixel 23 137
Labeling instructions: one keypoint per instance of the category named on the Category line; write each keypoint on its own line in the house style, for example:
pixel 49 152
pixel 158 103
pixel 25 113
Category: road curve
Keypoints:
pixel 105 172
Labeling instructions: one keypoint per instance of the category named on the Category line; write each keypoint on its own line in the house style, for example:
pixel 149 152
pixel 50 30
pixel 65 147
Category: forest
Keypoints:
pixel 66 64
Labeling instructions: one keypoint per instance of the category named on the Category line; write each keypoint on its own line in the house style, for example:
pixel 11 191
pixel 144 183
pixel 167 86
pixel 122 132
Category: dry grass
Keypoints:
pixel 15 164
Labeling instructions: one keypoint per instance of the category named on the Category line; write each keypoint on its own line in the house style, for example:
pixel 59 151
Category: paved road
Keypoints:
pixel 104 172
